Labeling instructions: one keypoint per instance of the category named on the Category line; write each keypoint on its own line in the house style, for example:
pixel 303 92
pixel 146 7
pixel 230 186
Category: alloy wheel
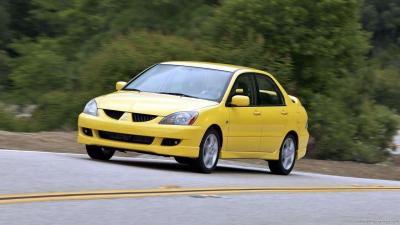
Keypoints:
pixel 210 151
pixel 288 153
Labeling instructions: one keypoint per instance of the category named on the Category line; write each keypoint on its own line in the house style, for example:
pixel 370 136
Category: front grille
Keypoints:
pixel 126 137
pixel 137 117
pixel 113 113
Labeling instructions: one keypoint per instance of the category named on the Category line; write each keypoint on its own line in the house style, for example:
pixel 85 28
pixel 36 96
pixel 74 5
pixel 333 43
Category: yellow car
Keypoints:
pixel 198 112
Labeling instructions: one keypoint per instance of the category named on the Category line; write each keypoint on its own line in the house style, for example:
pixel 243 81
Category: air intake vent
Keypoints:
pixel 126 137
pixel 113 114
pixel 137 117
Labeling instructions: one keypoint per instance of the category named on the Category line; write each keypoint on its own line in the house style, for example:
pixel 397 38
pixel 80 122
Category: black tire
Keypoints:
pixel 277 166
pixel 199 163
pixel 183 160
pixel 99 153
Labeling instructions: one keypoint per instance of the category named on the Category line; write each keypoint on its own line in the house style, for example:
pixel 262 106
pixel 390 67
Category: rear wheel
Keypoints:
pixel 209 152
pixel 99 153
pixel 287 157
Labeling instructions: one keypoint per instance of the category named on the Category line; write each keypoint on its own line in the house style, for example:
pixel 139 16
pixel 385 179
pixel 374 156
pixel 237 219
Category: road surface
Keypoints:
pixel 47 188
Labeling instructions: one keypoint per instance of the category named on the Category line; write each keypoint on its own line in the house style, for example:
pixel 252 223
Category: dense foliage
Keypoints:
pixel 341 57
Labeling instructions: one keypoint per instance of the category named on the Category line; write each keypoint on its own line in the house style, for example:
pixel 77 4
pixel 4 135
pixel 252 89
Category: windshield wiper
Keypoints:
pixel 132 89
pixel 178 94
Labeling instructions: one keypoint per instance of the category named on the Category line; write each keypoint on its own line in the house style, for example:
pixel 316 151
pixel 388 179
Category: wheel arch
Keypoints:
pixel 296 136
pixel 219 130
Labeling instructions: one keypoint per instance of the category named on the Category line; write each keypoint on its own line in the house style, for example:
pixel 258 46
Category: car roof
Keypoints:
pixel 208 65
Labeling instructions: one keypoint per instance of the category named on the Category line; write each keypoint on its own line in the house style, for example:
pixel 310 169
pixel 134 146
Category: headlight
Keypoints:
pixel 91 108
pixel 180 118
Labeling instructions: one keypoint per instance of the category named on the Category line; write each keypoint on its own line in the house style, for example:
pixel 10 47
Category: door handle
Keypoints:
pixel 257 113
pixel 284 113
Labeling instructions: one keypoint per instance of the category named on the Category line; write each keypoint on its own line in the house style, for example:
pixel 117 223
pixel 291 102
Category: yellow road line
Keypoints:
pixel 111 194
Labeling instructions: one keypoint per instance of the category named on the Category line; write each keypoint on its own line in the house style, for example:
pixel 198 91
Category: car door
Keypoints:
pixel 244 128
pixel 273 113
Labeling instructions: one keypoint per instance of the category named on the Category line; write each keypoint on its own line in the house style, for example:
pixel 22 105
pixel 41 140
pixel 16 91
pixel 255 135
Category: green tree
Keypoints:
pixel 126 56
pixel 324 46
pixel 382 18
pixel 323 39
pixel 40 68
pixel 59 54
pixel 4 22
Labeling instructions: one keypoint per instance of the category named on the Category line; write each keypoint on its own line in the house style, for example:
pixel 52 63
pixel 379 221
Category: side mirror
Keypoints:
pixel 119 85
pixel 240 100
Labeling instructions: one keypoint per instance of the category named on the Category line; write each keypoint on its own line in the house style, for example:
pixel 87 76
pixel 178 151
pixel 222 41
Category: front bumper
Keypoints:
pixel 189 136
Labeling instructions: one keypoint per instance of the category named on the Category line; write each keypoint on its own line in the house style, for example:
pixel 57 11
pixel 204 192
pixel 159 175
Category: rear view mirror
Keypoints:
pixel 240 100
pixel 119 85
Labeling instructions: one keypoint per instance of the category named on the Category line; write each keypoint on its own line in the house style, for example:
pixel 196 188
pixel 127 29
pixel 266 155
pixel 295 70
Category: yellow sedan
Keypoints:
pixel 198 112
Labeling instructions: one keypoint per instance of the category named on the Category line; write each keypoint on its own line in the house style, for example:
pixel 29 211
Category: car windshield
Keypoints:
pixel 184 81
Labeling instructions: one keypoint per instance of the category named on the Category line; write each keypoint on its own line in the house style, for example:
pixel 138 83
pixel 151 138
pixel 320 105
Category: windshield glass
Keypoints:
pixel 186 81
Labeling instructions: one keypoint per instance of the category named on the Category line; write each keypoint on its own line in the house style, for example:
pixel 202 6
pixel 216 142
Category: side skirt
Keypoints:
pixel 249 155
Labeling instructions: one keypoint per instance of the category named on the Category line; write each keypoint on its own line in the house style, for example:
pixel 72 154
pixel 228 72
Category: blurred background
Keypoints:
pixel 340 57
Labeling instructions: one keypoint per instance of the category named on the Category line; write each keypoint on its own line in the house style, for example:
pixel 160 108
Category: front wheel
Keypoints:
pixel 209 152
pixel 287 157
pixel 99 153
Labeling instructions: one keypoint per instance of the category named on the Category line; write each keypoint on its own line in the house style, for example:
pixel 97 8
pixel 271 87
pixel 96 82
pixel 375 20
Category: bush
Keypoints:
pixel 41 68
pixel 78 49
pixel 126 56
pixel 341 135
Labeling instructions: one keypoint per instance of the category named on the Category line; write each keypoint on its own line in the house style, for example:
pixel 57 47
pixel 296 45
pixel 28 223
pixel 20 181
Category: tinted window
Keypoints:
pixel 268 93
pixel 244 85
pixel 183 80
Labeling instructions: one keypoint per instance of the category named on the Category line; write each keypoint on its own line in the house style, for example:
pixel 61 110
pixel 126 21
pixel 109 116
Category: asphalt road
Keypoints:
pixel 294 199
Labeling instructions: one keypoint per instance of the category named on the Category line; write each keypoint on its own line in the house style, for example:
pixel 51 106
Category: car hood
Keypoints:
pixel 150 103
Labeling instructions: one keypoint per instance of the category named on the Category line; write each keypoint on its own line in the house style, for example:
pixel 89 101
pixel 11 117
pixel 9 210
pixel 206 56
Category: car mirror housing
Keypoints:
pixel 119 85
pixel 240 100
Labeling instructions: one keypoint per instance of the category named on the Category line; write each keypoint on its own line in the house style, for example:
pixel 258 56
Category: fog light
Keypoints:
pixel 170 141
pixel 87 131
